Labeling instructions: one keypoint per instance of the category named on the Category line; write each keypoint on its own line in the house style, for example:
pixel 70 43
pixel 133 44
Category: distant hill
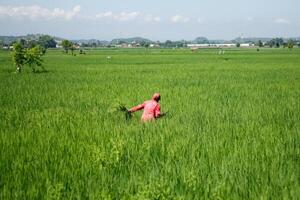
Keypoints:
pixel 10 39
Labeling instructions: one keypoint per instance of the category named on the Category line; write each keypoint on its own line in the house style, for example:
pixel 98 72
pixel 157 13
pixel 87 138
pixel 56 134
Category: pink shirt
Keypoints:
pixel 151 110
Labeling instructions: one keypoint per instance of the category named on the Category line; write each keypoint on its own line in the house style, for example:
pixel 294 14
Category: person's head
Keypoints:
pixel 156 97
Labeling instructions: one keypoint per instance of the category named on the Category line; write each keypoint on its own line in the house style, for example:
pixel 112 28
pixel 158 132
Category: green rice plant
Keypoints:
pixel 232 131
pixel 121 109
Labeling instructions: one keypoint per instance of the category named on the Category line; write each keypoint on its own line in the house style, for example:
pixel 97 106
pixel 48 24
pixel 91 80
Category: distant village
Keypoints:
pixel 6 42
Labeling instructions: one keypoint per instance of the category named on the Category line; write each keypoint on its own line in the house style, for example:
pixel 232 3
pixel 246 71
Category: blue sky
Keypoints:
pixel 155 19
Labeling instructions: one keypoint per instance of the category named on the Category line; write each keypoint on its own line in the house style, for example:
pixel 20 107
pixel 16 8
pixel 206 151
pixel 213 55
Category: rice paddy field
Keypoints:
pixel 232 130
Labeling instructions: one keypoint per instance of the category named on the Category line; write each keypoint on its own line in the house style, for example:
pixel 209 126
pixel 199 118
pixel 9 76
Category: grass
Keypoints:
pixel 232 131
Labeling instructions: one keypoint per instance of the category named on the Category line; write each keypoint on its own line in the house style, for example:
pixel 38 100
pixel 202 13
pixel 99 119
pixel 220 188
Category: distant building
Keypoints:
pixel 244 45
pixel 154 45
pixel 247 45
pixel 123 45
pixel 197 46
pixel 224 45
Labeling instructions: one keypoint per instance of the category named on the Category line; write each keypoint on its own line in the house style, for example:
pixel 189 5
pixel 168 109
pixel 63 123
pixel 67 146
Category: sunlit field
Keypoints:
pixel 232 130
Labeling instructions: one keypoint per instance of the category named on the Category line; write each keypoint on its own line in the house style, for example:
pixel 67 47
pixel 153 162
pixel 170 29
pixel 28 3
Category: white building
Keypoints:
pixel 198 45
pixel 224 45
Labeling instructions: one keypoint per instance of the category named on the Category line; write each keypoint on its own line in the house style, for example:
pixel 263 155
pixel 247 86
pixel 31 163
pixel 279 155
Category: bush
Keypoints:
pixel 30 56
pixel 19 56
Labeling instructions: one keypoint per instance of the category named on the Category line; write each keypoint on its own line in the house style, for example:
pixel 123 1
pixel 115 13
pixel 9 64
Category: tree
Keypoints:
pixel 23 42
pixel 277 42
pixel 18 56
pixel 238 44
pixel 33 57
pixel 66 44
pixel 46 42
pixel 30 56
pixel 72 48
pixel 290 44
pixel 168 43
pixel 201 40
pixel 260 44
pixel 81 51
pixel 32 43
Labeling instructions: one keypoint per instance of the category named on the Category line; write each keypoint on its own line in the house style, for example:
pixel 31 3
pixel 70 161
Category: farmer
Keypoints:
pixel 151 108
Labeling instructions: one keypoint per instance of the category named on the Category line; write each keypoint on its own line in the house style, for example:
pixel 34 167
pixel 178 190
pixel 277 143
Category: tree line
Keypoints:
pixel 46 41
pixel 278 42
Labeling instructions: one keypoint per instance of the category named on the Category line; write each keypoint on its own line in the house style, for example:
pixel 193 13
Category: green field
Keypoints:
pixel 232 131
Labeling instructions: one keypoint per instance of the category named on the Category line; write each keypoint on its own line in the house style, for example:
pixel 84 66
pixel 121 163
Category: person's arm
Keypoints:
pixel 136 108
pixel 157 113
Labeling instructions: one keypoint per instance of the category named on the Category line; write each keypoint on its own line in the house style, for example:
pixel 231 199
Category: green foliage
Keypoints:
pixel 67 45
pixel 233 132
pixel 18 56
pixel 72 48
pixel 81 51
pixel 276 42
pixel 31 44
pixel 173 44
pixel 23 42
pixel 46 42
pixel 238 44
pixel 119 107
pixel 30 56
pixel 54 191
pixel 260 44
pixel 33 58
pixel 290 44
pixel 145 44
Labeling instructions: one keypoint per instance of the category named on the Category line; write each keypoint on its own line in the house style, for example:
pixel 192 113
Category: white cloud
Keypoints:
pixel 150 18
pixel 179 19
pixel 36 12
pixel 107 14
pixel 282 21
pixel 127 16
pixel 200 20
pixel 123 16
